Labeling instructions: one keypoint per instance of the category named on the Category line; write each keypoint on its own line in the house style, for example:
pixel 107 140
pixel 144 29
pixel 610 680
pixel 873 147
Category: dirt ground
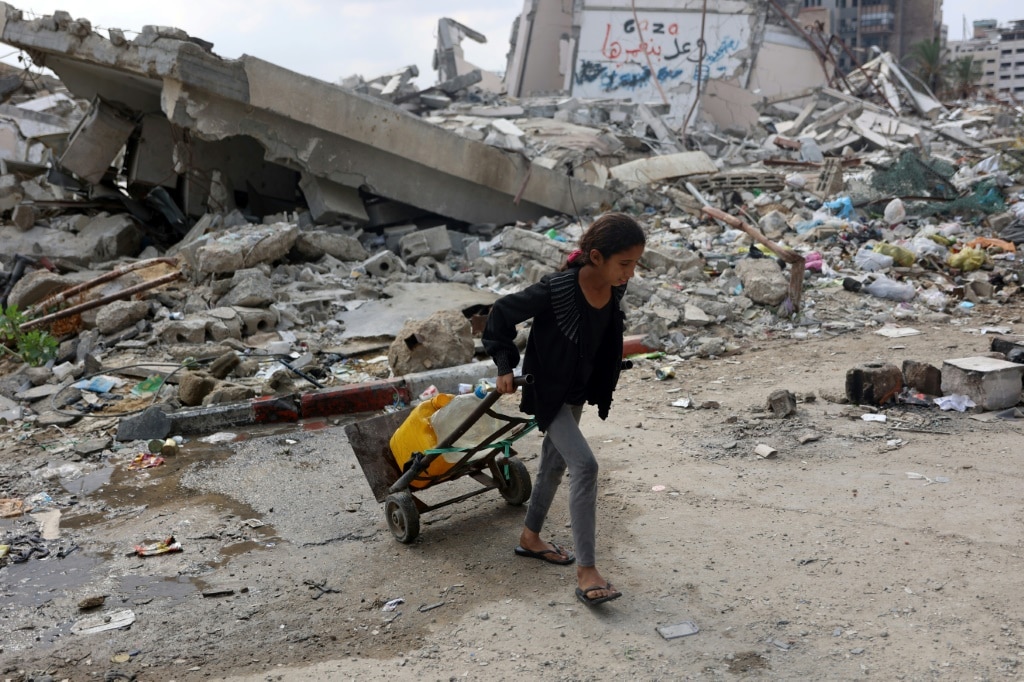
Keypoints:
pixel 884 550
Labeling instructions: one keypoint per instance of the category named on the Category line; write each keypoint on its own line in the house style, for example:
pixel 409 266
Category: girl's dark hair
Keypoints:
pixel 610 234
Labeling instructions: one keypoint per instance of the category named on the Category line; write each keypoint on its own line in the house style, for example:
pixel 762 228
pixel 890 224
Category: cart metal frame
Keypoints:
pixel 497 469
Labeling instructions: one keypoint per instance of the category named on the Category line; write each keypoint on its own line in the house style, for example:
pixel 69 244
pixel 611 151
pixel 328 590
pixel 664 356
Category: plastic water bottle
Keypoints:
pixel 449 417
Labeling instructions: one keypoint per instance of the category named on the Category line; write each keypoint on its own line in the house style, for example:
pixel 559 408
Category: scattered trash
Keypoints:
pixel 219 437
pixel 393 604
pixel 684 629
pixel 111 620
pixel 11 507
pixel 765 451
pixel 145 461
pixel 159 547
pixel 960 403
pixel 321 588
pixel 928 481
pixel 682 402
pixel 663 373
pixel 658 488
pixel 873 417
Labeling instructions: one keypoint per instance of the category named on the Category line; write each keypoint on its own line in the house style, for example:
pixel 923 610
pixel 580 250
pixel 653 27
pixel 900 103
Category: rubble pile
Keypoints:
pixel 879 205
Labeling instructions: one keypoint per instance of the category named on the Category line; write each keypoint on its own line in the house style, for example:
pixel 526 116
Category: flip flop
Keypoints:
pixel 547 554
pixel 581 594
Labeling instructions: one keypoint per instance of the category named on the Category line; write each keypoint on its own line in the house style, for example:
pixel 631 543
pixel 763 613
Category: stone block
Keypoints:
pixel 119 315
pixel 35 286
pixel 194 386
pixel 257 320
pixel 249 288
pixel 763 280
pixel 542 248
pixel 96 141
pixel 873 383
pixel 782 403
pixel 444 339
pixel 393 235
pixel 152 422
pixel 383 264
pixel 246 248
pixel 992 384
pixel 922 377
pixel 312 246
pixel 189 330
pixel 667 257
pixel 433 242
pixel 330 202
pixel 24 217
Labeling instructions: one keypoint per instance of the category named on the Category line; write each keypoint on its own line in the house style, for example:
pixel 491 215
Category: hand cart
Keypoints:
pixel 497 468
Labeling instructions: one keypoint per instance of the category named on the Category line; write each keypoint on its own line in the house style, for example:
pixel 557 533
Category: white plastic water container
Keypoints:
pixel 448 418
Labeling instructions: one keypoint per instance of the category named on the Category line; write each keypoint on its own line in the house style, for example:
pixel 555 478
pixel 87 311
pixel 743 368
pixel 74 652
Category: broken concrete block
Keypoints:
pixel 433 242
pixel 540 247
pixel 223 329
pixel 312 246
pixel 36 286
pixel 782 403
pixel 120 315
pixel 694 316
pixel 329 201
pixel 383 264
pixel 773 225
pixel 763 281
pixel 194 386
pixel 96 141
pixel 393 236
pixel 152 422
pixel 445 339
pixel 992 384
pixel 24 217
pixel 108 237
pixel 922 377
pixel 246 248
pixel 646 171
pixel 873 383
pixel 257 320
pixel 229 393
pixel 189 330
pixel 667 257
pixel 249 288
pixel 224 365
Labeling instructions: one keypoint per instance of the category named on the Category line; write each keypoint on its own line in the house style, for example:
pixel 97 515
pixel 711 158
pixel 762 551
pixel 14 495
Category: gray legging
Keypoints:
pixel 564 445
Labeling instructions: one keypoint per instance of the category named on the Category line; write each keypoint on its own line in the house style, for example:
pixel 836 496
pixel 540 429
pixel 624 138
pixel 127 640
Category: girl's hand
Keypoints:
pixel 505 384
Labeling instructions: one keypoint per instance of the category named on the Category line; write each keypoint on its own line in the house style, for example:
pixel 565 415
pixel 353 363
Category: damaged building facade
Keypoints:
pixel 204 134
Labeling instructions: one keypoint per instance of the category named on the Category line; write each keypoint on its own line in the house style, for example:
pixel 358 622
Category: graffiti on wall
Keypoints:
pixel 624 56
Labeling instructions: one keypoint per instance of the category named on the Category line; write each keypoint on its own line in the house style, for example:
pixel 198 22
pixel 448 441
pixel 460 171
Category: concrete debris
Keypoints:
pixel 241 247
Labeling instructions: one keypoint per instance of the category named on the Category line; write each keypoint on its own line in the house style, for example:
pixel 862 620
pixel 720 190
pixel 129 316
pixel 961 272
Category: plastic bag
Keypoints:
pixel 902 256
pixel 967 259
pixel 891 289
pixel 895 212
pixel 872 261
pixel 923 247
pixel 935 299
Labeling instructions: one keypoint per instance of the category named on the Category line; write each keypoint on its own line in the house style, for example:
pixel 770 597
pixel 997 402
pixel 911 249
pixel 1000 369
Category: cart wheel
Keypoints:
pixel 519 485
pixel 402 515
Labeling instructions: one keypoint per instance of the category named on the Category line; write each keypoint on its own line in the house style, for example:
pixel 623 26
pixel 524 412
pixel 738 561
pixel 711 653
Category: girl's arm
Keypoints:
pixel 500 332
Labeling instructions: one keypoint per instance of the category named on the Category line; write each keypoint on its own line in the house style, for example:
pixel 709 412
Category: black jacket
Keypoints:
pixel 557 341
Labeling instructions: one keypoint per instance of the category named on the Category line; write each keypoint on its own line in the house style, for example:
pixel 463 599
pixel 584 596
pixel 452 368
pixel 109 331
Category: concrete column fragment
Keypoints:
pixel 873 383
pixel 992 384
pixel 96 142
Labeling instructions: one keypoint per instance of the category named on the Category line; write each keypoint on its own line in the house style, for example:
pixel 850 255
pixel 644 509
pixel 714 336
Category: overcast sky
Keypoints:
pixel 327 39
pixel 332 39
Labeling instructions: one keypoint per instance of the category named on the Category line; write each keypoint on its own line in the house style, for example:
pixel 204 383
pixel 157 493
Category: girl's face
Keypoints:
pixel 618 268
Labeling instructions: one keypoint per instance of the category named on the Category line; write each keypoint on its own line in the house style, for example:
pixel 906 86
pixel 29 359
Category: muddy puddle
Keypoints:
pixel 111 495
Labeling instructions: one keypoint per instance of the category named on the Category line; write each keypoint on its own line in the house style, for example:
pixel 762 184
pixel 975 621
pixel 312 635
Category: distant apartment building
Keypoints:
pixel 890 25
pixel 1000 54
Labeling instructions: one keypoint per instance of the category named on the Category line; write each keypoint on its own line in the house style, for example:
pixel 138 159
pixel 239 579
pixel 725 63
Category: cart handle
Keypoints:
pixel 420 465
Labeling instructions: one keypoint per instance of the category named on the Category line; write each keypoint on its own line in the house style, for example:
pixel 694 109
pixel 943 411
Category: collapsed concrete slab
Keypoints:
pixel 262 126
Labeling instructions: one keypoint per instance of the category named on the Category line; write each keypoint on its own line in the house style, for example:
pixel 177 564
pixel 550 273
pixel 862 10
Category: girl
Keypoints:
pixel 574 353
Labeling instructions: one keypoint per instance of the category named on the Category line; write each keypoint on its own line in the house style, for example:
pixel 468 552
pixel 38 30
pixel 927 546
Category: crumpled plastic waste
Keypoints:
pixel 957 402
pixel 161 547
pixel 967 259
pixel 891 289
pixel 842 207
pixel 895 212
pixel 145 461
pixel 901 256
